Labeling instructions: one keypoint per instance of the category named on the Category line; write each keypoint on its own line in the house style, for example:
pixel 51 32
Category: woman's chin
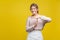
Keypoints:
pixel 33 13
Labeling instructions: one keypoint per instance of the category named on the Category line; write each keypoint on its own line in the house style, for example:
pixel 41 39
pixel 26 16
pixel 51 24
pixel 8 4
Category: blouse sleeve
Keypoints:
pixel 47 19
pixel 28 26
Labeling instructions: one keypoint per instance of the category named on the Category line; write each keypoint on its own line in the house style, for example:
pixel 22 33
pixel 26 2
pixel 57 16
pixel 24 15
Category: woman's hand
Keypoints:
pixel 36 22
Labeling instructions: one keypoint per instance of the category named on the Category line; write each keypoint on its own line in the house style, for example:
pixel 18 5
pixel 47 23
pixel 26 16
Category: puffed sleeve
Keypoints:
pixel 28 26
pixel 47 19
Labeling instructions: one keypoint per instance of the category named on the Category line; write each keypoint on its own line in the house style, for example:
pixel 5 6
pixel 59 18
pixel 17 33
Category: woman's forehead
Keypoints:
pixel 33 7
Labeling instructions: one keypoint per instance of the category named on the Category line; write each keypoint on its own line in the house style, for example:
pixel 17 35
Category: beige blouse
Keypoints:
pixel 41 22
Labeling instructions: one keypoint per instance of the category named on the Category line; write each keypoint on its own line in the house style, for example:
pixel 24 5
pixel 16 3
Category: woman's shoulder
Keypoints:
pixel 44 16
pixel 29 17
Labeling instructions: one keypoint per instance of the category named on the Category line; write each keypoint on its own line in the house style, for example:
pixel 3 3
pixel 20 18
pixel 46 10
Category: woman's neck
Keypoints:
pixel 35 15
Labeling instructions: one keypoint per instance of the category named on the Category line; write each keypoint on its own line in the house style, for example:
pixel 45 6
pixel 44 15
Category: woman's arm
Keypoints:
pixel 28 26
pixel 46 19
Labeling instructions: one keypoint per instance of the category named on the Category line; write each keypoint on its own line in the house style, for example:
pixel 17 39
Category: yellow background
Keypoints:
pixel 13 15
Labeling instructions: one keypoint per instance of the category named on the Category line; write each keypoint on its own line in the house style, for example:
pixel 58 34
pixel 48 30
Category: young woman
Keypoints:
pixel 35 23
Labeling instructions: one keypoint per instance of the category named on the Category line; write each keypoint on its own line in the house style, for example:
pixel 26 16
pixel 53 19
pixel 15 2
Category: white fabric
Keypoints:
pixel 35 35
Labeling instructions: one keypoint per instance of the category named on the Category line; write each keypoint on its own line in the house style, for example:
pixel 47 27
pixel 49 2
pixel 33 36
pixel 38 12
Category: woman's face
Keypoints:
pixel 34 10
